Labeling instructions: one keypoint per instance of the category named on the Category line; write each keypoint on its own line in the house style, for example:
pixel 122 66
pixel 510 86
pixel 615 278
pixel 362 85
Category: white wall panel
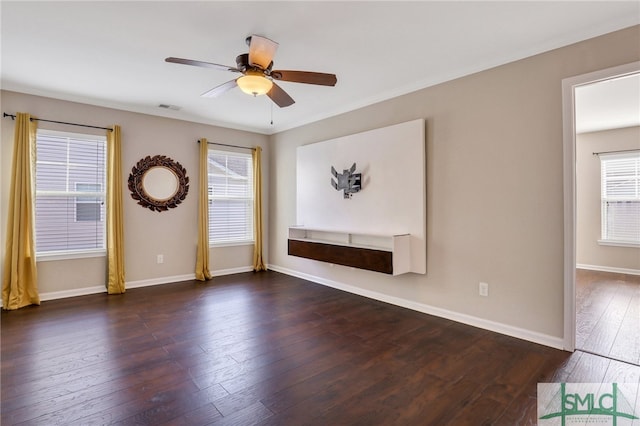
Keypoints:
pixel 392 200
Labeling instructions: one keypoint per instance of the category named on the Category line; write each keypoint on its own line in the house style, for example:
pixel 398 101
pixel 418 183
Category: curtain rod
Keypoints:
pixel 13 117
pixel 231 146
pixel 616 152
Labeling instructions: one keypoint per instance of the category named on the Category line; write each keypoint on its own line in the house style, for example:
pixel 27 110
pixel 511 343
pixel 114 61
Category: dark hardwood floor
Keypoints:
pixel 608 314
pixel 269 349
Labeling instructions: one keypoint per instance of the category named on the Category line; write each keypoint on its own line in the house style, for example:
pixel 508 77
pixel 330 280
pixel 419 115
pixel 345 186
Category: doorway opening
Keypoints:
pixel 602 281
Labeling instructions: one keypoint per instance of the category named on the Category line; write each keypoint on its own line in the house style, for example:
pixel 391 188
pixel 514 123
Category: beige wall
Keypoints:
pixel 494 187
pixel 588 251
pixel 172 233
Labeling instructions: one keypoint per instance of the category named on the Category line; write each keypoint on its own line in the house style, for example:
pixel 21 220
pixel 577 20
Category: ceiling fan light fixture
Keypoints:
pixel 254 84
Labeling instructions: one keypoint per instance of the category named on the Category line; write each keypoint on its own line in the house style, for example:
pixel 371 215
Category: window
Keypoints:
pixel 70 193
pixel 230 197
pixel 620 198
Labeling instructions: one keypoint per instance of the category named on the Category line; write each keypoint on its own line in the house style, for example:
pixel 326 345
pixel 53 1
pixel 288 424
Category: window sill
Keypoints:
pixel 232 244
pixel 69 255
pixel 618 243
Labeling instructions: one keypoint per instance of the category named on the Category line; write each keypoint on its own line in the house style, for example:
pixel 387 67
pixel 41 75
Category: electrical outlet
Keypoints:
pixel 160 259
pixel 483 289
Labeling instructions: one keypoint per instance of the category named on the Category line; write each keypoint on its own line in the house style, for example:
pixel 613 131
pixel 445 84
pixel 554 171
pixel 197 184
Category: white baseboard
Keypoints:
pixel 609 269
pixel 53 295
pixel 509 330
pixel 63 294
pixel 160 280
pixel 230 271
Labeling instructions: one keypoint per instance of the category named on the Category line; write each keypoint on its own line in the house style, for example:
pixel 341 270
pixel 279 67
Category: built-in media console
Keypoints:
pixel 389 254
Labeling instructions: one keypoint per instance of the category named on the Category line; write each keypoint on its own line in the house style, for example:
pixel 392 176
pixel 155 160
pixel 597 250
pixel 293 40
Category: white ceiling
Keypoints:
pixel 608 104
pixel 112 53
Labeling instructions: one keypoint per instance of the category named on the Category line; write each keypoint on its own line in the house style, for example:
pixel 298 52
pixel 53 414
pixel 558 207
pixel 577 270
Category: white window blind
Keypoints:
pixel 230 197
pixel 621 197
pixel 70 193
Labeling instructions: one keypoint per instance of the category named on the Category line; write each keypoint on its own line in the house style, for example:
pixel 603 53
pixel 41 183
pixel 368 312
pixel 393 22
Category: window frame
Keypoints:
pixel 634 156
pixel 53 255
pixel 249 198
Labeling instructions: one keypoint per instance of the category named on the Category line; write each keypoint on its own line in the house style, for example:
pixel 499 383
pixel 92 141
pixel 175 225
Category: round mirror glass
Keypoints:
pixel 160 183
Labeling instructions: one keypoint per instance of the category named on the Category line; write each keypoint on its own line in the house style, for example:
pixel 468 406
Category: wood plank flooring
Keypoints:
pixel 268 349
pixel 608 314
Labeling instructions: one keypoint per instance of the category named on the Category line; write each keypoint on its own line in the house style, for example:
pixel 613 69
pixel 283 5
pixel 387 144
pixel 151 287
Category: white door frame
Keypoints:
pixel 569 165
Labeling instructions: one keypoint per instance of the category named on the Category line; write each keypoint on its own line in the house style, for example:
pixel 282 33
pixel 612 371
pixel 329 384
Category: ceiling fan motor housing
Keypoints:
pixel 242 61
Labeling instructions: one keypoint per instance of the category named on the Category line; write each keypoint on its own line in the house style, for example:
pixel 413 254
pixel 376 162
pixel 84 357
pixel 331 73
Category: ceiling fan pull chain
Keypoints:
pixel 271 103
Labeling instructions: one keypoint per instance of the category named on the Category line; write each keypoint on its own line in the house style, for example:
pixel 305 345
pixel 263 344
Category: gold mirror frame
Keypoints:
pixel 142 196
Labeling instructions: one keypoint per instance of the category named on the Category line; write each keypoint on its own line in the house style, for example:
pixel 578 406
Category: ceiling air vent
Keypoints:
pixel 171 107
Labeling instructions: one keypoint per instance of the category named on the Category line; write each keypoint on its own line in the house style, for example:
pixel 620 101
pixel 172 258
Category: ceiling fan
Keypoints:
pixel 257 73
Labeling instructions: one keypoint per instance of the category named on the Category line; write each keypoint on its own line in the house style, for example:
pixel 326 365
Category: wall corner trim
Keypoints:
pixel 508 330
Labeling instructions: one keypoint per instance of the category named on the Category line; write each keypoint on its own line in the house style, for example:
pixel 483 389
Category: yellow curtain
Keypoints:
pixel 115 217
pixel 20 278
pixel 258 263
pixel 202 250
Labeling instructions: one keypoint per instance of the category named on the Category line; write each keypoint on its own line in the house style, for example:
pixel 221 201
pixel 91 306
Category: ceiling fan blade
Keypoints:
pixel 279 96
pixel 201 64
pixel 308 77
pixel 219 90
pixel 261 51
